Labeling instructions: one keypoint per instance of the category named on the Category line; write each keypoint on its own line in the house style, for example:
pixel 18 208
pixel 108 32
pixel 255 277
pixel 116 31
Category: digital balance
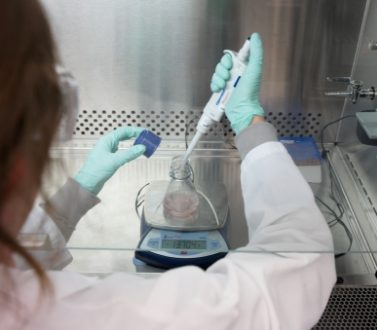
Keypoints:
pixel 183 224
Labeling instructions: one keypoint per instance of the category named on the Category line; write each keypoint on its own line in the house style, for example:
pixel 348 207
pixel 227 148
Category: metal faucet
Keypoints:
pixel 354 89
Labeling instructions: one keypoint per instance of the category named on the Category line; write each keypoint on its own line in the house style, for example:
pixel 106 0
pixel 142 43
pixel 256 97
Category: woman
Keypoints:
pixel 241 291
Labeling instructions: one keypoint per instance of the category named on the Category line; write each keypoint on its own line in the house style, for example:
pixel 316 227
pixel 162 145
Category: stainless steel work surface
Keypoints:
pixel 105 239
pixel 107 235
pixel 114 223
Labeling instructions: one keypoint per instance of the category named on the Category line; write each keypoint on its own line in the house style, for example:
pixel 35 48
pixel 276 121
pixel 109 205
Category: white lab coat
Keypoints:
pixel 260 290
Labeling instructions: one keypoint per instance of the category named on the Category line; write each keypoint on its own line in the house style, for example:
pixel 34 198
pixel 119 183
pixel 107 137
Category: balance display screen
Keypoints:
pixel 183 244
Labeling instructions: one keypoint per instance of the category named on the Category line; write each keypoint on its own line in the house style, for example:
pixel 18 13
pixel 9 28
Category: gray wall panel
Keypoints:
pixel 159 55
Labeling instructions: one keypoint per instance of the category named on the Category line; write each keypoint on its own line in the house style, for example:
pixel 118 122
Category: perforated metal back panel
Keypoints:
pixel 296 124
pixel 350 307
pixel 167 124
pixel 174 124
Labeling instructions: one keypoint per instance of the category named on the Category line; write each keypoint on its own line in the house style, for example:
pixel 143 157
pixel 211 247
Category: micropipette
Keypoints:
pixel 215 107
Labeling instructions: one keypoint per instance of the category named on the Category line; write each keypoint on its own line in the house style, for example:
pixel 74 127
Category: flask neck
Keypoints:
pixel 179 170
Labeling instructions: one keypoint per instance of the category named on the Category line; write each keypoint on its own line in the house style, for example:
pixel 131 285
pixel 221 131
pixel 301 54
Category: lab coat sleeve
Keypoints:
pixel 53 224
pixel 280 280
pixel 44 241
pixel 296 276
pixel 69 205
pixel 253 136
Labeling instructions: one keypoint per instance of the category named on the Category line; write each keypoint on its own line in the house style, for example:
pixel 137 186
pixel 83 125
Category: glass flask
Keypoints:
pixel 181 201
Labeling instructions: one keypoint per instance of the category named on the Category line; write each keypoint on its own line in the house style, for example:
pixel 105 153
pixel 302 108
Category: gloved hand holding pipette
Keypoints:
pixel 235 86
pixel 243 104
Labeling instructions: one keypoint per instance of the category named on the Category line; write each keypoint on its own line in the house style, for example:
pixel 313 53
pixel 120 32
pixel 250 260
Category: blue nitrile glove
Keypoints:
pixel 105 159
pixel 244 104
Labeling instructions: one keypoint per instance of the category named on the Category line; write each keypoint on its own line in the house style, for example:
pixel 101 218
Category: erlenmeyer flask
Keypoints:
pixel 181 201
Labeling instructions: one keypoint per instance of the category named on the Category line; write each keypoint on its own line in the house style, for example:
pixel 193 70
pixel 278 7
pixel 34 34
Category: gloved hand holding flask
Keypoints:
pixel 243 104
